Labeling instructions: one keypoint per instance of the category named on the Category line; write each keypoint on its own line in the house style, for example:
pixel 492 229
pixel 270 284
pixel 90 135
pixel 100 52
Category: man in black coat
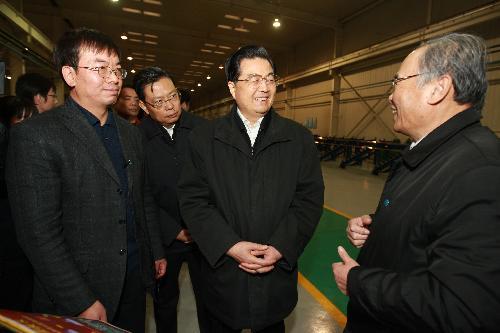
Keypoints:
pixel 166 130
pixel 251 193
pixel 430 254
pixel 76 186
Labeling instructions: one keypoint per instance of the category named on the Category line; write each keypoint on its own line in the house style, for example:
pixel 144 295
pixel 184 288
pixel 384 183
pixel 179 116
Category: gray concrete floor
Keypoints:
pixel 353 191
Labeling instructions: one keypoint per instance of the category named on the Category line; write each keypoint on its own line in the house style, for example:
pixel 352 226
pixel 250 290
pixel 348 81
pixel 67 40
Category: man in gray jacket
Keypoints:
pixel 79 201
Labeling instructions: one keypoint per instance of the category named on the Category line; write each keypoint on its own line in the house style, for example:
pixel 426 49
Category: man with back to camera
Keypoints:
pixel 127 105
pixel 429 258
pixel 166 129
pixel 76 184
pixel 37 91
pixel 251 193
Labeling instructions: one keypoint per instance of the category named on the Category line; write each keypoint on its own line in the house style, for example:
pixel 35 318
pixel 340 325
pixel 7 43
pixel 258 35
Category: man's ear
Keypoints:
pixel 441 87
pixel 39 99
pixel 69 75
pixel 231 87
pixel 142 105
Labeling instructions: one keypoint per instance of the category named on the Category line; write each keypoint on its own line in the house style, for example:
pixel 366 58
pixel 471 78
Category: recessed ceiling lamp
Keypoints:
pixel 208 77
pixel 124 37
pixel 8 77
pixel 132 71
pixel 114 0
pixel 276 23
pixel 192 90
pixel 130 58
pixel 199 84
pixel 221 67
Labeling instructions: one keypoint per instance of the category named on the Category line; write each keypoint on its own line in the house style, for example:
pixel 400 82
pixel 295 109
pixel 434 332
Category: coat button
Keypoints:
pixel 123 251
pixel 119 191
pixel 122 221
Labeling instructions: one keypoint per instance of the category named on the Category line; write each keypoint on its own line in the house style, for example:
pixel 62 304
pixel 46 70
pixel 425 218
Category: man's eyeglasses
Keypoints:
pixel 105 71
pixel 161 103
pixel 255 80
pixel 397 79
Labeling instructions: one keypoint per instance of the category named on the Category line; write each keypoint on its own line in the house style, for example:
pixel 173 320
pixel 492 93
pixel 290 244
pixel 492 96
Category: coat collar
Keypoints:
pixel 229 131
pixel 439 136
pixel 76 122
pixel 152 128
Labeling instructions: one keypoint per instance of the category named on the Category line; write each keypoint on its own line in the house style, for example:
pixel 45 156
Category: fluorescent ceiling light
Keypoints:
pixel 206 51
pixel 148 13
pixel 151 35
pixel 242 29
pixel 131 10
pixel 208 63
pixel 150 42
pixel 224 47
pixel 219 52
pixel 232 17
pixel 153 2
pixel 133 33
pixel 135 40
pixel 249 20
pixel 197 61
pixel 223 26
pixel 210 45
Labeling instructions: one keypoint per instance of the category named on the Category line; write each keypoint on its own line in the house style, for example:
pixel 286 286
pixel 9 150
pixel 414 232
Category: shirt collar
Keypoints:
pixel 93 120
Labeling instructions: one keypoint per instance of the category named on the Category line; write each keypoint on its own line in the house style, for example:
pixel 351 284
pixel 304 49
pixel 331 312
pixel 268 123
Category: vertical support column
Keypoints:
pixel 335 126
pixel 289 109
pixel 17 68
pixel 60 86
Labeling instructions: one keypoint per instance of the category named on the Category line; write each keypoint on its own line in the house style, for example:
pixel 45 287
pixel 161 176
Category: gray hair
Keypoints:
pixel 463 57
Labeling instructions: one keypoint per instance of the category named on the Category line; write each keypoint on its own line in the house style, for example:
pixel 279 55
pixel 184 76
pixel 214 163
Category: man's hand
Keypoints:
pixel 341 269
pixel 357 230
pixel 160 267
pixel 184 236
pixel 95 312
pixel 270 256
pixel 243 251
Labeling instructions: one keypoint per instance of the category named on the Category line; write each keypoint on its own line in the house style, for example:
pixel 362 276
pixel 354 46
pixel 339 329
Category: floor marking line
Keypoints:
pixel 336 314
pixel 338 212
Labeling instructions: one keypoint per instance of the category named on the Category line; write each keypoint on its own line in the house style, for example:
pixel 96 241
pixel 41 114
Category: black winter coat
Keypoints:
pixel 272 194
pixel 164 160
pixel 432 260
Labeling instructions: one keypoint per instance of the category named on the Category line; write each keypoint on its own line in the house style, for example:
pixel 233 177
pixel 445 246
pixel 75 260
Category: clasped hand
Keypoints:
pixel 253 257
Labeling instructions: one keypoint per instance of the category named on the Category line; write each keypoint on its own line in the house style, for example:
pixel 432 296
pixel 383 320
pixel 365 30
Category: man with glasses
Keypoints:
pixel 429 259
pixel 251 193
pixel 36 91
pixel 76 184
pixel 166 129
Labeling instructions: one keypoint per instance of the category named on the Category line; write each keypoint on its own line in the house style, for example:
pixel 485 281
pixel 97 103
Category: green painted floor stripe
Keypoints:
pixel 316 261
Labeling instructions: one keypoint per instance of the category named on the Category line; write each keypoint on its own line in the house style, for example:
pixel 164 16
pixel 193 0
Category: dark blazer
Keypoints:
pixel 432 260
pixel 165 158
pixel 272 194
pixel 69 213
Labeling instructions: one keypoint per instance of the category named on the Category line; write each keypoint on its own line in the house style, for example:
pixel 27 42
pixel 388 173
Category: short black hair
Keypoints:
pixel 232 65
pixel 13 107
pixel 31 84
pixel 185 96
pixel 147 76
pixel 67 50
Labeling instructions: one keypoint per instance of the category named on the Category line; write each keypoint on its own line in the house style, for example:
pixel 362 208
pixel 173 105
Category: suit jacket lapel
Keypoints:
pixel 81 129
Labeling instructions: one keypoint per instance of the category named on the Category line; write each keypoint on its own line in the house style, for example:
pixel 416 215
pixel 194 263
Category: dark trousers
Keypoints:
pixel 131 313
pixel 217 326
pixel 167 293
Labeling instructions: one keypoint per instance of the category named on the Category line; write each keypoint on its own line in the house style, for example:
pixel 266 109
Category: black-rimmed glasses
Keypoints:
pixel 160 103
pixel 105 71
